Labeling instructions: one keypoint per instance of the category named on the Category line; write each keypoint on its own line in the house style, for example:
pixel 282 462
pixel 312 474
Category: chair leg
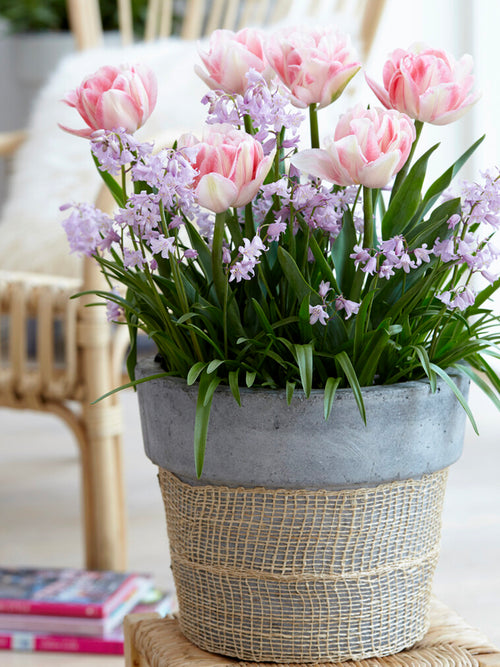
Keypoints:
pixel 102 484
pixel 101 453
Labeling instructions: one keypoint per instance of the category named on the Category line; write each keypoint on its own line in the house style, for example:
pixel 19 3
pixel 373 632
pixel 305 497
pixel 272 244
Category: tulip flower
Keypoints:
pixel 114 97
pixel 229 57
pixel 368 148
pixel 315 65
pixel 426 84
pixel 231 166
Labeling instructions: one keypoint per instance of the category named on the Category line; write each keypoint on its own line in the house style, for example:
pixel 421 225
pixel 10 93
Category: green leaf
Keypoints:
pixel 132 383
pixel 214 365
pixel 426 365
pixel 204 256
pixel 214 383
pixel 111 184
pixel 298 284
pixel 250 378
pixel 234 386
pixel 440 185
pixel 219 277
pixel 322 264
pixel 304 356
pixel 330 391
pixel 202 417
pixel 478 380
pixel 369 360
pixel 427 231
pixel 186 317
pixel 206 337
pixel 304 319
pixel 483 365
pixel 262 317
pixel 461 399
pixel 407 199
pixel 362 322
pixel 235 230
pixel 195 371
pixel 341 249
pixel 487 292
pixel 345 363
pixel 132 353
pixel 290 388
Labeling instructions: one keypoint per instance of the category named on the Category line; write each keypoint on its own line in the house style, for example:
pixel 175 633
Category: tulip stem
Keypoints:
pixel 401 175
pixel 249 222
pixel 217 271
pixel 313 123
pixel 368 238
pixel 367 218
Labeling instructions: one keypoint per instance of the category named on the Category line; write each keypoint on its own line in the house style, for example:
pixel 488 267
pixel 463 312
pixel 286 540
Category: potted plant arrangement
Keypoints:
pixel 318 315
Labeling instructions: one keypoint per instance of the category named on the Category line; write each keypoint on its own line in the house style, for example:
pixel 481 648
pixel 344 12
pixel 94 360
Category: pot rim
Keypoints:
pixel 149 363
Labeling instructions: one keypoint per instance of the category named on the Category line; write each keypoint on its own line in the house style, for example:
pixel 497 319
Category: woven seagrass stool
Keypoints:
pixel 154 642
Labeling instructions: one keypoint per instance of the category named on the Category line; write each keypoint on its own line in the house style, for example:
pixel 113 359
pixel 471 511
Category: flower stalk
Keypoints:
pixel 314 125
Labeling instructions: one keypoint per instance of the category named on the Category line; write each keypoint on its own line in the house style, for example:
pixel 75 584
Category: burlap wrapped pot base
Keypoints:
pixel 449 642
pixel 300 576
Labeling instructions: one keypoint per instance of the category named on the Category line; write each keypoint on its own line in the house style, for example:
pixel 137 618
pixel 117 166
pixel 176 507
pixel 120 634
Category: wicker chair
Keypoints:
pixel 92 353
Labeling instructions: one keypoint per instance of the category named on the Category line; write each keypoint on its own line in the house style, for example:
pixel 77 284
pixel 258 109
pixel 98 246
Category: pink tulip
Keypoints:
pixel 229 57
pixel 231 166
pixel 114 97
pixel 369 147
pixel 427 84
pixel 315 65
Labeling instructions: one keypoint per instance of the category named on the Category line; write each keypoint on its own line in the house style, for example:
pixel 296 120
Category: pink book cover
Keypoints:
pixel 76 625
pixel 162 603
pixel 64 591
pixel 25 641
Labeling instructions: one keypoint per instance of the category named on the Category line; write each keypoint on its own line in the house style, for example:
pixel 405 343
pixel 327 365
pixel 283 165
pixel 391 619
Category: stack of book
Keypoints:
pixel 72 611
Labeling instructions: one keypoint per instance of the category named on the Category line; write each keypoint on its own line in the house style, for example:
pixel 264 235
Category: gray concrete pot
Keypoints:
pixel 304 540
pixel 409 432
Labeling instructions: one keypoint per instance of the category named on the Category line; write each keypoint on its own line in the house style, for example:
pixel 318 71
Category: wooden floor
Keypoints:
pixel 40 522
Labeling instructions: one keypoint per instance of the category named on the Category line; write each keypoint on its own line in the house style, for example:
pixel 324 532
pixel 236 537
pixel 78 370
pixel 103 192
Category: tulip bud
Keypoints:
pixel 368 148
pixel 114 97
pixel 315 65
pixel 231 166
pixel 427 84
pixel 229 57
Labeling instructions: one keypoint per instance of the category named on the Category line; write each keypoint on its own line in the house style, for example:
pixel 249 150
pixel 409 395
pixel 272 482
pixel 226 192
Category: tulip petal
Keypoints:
pixel 211 83
pixel 319 163
pixel 216 192
pixel 118 109
pixel 249 190
pixel 334 88
pixel 378 173
pixel 85 133
pixel 380 92
pixel 451 116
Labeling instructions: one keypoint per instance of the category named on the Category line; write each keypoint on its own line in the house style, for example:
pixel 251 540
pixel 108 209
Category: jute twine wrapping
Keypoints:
pixel 297 576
